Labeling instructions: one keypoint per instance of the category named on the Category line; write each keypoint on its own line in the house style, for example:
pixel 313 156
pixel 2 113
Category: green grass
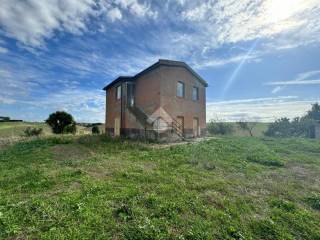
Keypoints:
pixel 91 187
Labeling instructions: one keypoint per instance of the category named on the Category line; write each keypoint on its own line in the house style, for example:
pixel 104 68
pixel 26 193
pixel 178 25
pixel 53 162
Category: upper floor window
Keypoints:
pixel 195 93
pixel 180 89
pixel 118 92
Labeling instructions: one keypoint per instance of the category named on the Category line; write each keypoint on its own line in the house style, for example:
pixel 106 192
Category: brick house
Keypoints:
pixel 166 100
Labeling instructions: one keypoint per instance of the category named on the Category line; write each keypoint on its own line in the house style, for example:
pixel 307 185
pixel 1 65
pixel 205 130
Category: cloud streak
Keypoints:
pixel 293 82
pixel 301 79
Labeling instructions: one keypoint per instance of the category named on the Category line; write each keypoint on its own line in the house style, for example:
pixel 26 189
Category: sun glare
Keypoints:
pixel 280 10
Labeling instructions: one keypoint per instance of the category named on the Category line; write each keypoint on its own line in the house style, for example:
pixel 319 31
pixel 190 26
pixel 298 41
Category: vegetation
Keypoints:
pixel 219 128
pixel 61 122
pixel 91 187
pixel 314 113
pixel 29 132
pixel 16 129
pixel 95 129
pixel 247 126
pixel 298 127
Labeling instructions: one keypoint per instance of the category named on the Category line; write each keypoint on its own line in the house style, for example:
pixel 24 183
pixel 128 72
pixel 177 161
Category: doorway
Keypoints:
pixel 117 127
pixel 180 121
pixel 196 127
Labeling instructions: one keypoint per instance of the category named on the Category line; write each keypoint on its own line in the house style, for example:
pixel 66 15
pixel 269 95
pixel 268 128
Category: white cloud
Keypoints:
pixel 259 109
pixel 279 25
pixel 4 100
pixel 31 22
pixel 114 14
pixel 293 82
pixel 137 8
pixel 234 21
pixel 3 50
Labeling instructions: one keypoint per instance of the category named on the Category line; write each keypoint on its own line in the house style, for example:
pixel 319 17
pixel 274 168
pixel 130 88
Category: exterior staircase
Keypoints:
pixel 143 118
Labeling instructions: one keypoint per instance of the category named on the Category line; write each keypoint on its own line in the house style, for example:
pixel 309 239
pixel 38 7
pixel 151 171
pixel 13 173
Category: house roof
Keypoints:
pixel 161 62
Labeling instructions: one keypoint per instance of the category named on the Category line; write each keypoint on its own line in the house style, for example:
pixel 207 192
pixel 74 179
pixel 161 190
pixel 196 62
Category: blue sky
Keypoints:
pixel 260 57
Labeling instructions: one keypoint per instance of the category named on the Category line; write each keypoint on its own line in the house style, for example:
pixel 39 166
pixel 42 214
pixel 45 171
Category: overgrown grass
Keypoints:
pixel 92 187
pixel 16 129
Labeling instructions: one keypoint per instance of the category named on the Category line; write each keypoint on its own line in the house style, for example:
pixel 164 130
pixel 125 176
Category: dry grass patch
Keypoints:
pixel 70 152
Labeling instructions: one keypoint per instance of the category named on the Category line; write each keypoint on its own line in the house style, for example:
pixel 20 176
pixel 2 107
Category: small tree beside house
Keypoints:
pixel 61 122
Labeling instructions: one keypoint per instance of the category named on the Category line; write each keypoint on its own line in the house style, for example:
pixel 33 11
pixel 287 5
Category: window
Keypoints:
pixel 130 95
pixel 118 92
pixel 180 89
pixel 195 93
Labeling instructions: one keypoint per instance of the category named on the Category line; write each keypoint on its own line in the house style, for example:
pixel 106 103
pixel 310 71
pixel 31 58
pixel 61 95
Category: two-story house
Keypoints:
pixel 168 99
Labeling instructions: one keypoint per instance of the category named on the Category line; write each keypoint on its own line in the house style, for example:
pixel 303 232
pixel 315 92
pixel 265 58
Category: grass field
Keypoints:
pixel 16 129
pixel 91 187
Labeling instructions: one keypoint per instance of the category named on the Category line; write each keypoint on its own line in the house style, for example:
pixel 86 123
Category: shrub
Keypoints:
pixel 314 202
pixel 95 130
pixel 29 132
pixel 314 113
pixel 61 122
pixel 222 128
pixel 265 159
pixel 71 128
pixel 298 127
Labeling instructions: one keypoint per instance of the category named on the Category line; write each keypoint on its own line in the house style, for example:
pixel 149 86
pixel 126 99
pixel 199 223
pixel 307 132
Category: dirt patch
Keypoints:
pixel 302 172
pixel 70 152
pixel 98 173
pixel 63 189
pixel 188 141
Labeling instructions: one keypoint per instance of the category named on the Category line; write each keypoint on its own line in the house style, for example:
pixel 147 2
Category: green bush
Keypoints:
pixel 29 132
pixel 298 127
pixel 95 130
pixel 71 128
pixel 219 128
pixel 314 202
pixel 266 160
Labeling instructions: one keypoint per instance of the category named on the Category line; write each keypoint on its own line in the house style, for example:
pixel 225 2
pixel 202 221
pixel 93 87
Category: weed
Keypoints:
pixel 314 202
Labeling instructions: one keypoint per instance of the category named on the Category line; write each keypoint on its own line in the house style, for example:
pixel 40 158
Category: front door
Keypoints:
pixel 180 121
pixel 195 127
pixel 117 127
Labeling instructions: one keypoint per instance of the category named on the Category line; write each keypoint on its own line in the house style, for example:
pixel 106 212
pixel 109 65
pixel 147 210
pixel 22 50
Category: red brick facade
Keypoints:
pixel 155 91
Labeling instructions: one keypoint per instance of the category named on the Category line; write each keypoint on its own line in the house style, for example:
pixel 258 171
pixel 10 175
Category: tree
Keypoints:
pixel 247 126
pixel 280 128
pixel 314 113
pixel 298 127
pixel 61 122
pixel 95 130
pixel 215 127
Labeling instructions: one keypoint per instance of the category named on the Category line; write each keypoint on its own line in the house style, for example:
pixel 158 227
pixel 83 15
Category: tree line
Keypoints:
pixel 284 127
